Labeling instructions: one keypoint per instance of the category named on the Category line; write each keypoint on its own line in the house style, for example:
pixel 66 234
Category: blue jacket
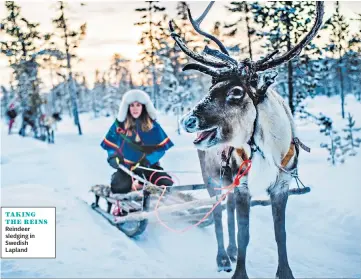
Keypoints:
pixel 152 146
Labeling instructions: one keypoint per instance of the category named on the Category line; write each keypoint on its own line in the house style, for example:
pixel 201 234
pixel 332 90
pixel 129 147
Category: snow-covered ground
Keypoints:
pixel 323 227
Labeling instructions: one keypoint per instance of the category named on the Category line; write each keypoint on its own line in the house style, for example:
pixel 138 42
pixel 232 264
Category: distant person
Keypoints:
pixel 11 114
pixel 136 139
pixel 28 119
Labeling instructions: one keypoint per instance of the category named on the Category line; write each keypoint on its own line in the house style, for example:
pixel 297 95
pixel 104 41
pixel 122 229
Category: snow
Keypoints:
pixel 323 227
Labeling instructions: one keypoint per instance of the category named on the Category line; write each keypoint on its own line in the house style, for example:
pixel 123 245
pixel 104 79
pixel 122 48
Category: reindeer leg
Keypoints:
pixel 208 172
pixel 223 261
pixel 279 202
pixel 243 205
pixel 232 246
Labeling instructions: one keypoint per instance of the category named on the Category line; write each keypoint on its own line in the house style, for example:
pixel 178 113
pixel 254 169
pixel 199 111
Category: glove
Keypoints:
pixel 144 162
pixel 115 160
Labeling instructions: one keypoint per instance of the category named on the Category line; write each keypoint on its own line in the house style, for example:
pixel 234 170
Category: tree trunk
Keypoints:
pixel 248 32
pixel 73 102
pixel 72 88
pixel 342 93
pixel 154 77
pixel 290 70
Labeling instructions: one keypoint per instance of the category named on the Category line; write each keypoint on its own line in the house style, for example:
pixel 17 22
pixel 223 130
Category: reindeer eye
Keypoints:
pixel 235 94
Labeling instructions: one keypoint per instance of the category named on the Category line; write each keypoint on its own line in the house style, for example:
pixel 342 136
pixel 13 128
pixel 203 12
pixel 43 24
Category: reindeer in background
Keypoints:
pixel 242 114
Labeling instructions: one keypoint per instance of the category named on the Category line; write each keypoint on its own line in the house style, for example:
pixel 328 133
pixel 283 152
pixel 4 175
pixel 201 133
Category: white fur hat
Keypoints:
pixel 136 95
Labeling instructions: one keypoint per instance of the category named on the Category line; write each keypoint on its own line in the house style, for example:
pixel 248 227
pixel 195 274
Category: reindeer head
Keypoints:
pixel 227 114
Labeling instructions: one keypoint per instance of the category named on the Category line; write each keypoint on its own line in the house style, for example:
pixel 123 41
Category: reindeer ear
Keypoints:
pixel 254 81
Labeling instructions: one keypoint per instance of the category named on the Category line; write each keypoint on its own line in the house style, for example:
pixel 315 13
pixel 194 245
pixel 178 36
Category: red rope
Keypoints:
pixel 150 178
pixel 230 187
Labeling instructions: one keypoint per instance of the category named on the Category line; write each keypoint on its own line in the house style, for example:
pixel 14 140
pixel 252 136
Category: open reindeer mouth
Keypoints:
pixel 206 135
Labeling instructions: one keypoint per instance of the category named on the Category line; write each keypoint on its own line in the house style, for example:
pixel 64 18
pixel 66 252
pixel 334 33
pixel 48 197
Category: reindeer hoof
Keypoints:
pixel 225 268
pixel 232 253
pixel 223 262
pixel 241 275
pixel 284 273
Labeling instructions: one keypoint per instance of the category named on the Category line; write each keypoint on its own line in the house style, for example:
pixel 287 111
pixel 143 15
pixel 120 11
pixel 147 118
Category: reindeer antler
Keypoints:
pixel 196 25
pixel 219 64
pixel 222 58
pixel 196 56
pixel 267 63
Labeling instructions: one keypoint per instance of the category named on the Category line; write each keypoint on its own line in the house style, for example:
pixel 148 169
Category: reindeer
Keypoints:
pixel 241 113
pixel 48 125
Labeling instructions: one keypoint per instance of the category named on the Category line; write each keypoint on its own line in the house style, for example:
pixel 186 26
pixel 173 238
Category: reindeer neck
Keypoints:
pixel 272 131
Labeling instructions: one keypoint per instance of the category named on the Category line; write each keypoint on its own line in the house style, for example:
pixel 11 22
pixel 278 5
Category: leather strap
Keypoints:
pixel 286 159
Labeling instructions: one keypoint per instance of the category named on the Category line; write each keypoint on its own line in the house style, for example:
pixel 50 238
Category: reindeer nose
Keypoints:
pixel 191 122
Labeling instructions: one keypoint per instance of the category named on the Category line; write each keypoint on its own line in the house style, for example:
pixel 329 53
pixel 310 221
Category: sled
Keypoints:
pixel 138 208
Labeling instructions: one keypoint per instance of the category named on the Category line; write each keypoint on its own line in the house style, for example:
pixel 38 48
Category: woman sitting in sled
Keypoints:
pixel 136 140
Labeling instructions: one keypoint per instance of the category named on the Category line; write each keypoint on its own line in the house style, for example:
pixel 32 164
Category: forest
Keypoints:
pixel 330 65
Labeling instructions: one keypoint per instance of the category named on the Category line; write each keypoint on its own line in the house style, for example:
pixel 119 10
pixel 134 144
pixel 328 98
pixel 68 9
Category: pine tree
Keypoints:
pixel 351 140
pixel 149 21
pixel 287 23
pixel 244 10
pixel 71 39
pixel 54 66
pixel 334 144
pixel 119 74
pixel 193 40
pixel 22 51
pixel 339 30
pixel 24 35
pixel 19 48
pixel 354 61
pixel 309 73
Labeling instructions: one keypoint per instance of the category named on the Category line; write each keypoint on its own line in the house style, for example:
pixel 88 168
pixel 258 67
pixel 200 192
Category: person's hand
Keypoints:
pixel 115 160
pixel 136 185
pixel 144 162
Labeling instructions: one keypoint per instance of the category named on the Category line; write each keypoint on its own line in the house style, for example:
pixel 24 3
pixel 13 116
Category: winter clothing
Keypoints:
pixel 11 113
pixel 133 147
pixel 115 160
pixel 136 95
pixel 154 143
pixel 121 182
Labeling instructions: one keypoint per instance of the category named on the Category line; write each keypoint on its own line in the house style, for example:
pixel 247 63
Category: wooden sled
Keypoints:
pixel 137 208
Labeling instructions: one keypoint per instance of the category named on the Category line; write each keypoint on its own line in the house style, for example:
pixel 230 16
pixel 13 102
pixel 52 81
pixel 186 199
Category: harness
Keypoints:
pixel 294 148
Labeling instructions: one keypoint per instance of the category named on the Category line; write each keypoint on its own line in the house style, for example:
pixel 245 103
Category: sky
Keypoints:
pixel 111 29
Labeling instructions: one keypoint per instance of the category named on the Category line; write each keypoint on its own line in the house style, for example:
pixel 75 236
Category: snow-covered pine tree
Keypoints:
pixel 149 41
pixel 283 24
pixel 243 23
pixel 337 47
pixel 119 74
pixel 352 141
pixel 308 75
pixel 71 40
pixel 23 37
pixel 189 35
pixel 55 67
pixel 354 61
pixel 103 100
pixel 119 80
pixel 189 81
pixel 334 144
